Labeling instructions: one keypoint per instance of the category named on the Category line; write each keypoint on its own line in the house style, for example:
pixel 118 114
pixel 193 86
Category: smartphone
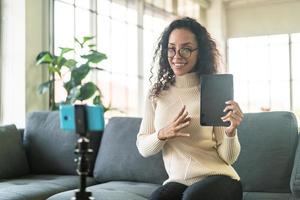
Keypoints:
pixel 94 117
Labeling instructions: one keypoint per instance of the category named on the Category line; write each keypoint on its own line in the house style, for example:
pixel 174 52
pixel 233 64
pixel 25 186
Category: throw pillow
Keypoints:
pixel 118 158
pixel 13 162
pixel 50 149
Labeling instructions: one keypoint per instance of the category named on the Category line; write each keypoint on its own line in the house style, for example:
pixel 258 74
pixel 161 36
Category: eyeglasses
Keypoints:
pixel 183 52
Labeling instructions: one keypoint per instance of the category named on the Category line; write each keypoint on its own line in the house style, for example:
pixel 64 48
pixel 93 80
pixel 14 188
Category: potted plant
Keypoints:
pixel 72 71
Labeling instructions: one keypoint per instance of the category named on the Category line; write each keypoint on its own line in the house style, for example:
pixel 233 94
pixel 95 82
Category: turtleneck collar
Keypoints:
pixel 187 80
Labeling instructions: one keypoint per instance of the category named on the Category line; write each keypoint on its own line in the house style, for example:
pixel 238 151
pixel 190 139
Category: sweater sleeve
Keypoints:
pixel 147 141
pixel 228 147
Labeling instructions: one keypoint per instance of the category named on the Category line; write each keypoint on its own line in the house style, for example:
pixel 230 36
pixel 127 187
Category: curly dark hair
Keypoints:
pixel 207 61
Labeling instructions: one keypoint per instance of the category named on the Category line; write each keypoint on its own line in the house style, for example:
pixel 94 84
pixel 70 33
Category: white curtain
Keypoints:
pixel 12 62
pixel 0 61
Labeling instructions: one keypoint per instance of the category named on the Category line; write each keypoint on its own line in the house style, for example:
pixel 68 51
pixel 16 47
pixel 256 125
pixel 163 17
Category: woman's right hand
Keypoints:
pixel 173 130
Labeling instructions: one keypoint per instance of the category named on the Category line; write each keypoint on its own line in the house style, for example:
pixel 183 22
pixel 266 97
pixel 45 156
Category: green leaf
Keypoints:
pixel 70 63
pixel 98 68
pixel 77 41
pixel 100 93
pixel 68 86
pixel 55 60
pixel 95 57
pixel 71 84
pixel 60 62
pixel 65 50
pixel 87 38
pixel 74 94
pixel 87 91
pixel 44 57
pixel 53 69
pixel 80 73
pixel 44 87
pixel 97 100
pixel 109 107
pixel 91 45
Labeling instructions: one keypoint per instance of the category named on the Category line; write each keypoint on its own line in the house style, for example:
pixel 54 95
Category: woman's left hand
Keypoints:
pixel 234 116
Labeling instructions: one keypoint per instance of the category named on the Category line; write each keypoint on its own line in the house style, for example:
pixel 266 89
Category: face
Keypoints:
pixel 183 42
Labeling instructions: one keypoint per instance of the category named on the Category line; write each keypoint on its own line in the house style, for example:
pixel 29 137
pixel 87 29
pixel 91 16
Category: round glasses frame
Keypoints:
pixel 183 52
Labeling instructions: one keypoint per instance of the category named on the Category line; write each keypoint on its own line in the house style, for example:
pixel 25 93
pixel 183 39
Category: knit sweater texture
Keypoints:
pixel 207 151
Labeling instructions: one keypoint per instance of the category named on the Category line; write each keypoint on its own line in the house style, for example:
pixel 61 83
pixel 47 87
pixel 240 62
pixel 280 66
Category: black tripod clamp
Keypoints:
pixel 83 150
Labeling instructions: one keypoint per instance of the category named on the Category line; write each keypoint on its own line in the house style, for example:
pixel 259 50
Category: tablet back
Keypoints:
pixel 216 89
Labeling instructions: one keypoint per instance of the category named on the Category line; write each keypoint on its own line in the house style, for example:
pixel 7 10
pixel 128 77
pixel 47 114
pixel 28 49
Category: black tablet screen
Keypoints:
pixel 216 89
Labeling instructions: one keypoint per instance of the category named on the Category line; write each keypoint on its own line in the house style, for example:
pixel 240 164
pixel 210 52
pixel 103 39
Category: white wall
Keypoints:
pixel 23 35
pixel 1 113
pixel 12 62
pixel 37 40
pixel 216 26
pixel 263 18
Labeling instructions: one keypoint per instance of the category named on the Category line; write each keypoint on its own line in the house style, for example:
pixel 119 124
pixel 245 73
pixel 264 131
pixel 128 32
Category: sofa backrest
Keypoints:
pixel 268 144
pixel 50 150
pixel 118 158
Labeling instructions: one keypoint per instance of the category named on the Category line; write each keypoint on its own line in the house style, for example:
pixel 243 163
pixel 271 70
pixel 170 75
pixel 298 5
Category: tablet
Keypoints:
pixel 215 90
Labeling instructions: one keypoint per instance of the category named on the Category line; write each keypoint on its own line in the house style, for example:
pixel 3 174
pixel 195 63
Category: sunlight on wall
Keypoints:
pixel 13 62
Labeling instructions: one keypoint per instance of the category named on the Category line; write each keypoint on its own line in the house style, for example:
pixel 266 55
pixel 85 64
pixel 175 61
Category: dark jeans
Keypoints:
pixel 211 188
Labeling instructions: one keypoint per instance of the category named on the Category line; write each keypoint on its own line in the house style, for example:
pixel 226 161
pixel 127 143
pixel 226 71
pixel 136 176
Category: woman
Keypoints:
pixel 197 158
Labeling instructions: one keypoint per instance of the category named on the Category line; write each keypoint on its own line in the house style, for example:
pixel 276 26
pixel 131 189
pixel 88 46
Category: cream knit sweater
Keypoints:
pixel 207 151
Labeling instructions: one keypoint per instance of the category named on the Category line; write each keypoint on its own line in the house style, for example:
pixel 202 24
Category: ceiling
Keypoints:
pixel 242 3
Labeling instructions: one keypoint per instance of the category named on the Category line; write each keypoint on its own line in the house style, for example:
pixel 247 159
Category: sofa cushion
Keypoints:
pixel 38 187
pixel 115 190
pixel 50 149
pixel 267 196
pixel 118 158
pixel 268 143
pixel 13 161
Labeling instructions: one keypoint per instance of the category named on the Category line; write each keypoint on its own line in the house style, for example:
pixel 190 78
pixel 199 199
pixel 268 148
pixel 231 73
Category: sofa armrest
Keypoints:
pixel 21 131
pixel 13 161
pixel 295 177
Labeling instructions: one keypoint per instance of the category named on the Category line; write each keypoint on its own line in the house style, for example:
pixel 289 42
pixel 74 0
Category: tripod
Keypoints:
pixel 83 150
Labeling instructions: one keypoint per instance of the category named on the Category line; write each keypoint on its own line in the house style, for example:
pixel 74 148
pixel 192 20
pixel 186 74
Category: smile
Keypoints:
pixel 179 65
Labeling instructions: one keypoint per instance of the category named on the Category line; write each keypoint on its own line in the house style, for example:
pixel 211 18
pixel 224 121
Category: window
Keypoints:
pixel 153 24
pixel 117 37
pixel 126 31
pixel 295 60
pixel 264 78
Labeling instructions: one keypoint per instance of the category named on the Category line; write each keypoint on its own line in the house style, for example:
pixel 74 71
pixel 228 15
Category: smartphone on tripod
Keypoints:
pixel 93 116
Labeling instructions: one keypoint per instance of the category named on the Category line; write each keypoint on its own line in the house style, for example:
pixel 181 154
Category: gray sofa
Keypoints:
pixel 39 165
